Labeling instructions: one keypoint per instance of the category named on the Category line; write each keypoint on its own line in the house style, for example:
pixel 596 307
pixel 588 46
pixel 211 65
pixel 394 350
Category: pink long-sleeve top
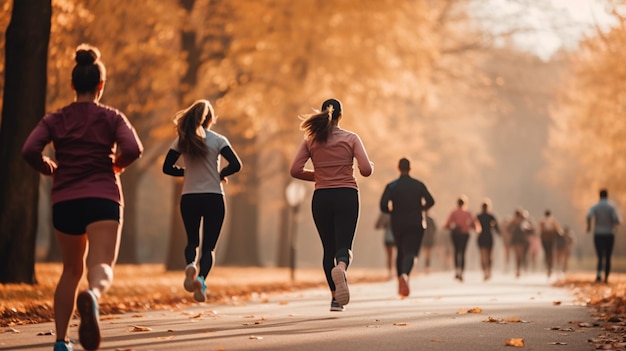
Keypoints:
pixel 333 161
pixel 461 219
pixel 89 139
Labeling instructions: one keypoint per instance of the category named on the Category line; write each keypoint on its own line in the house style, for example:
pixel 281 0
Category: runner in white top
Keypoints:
pixel 203 192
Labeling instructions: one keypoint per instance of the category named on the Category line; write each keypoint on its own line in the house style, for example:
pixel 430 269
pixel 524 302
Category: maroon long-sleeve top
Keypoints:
pixel 89 140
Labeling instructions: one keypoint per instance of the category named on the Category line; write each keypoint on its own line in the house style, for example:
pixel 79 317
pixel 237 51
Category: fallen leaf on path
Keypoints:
pixel 108 317
pixel 556 303
pixel 254 337
pixel 557 343
pixel 196 316
pixel 491 320
pixel 514 320
pixel 169 337
pixel 471 310
pixel 400 324
pixel 516 342
pixel 11 330
pixel 49 332
pixel 137 328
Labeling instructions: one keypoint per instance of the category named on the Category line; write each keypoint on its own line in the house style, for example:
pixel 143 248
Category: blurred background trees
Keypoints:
pixel 441 82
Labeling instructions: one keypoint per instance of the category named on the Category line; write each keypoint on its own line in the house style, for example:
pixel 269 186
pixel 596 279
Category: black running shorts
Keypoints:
pixel 73 216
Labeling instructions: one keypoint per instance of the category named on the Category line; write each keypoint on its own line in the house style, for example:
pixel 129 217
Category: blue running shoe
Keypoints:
pixel 199 293
pixel 62 346
pixel 89 330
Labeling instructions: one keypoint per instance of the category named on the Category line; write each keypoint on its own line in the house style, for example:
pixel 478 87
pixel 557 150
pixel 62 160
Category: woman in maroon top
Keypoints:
pixel 93 144
pixel 335 203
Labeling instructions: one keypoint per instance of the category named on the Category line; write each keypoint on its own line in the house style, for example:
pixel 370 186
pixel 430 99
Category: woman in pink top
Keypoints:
pixel 93 143
pixel 460 222
pixel 335 203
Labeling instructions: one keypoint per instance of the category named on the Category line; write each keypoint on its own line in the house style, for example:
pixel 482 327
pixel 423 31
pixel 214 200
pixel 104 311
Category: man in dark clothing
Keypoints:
pixel 406 199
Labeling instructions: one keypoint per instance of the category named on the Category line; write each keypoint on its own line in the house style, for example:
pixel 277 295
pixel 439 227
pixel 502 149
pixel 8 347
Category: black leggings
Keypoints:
pixel 547 242
pixel 408 233
pixel 208 207
pixel 604 249
pixel 459 240
pixel 335 213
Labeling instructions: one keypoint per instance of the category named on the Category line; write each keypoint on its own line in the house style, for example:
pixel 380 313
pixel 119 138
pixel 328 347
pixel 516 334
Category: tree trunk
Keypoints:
pixel 178 238
pixel 24 105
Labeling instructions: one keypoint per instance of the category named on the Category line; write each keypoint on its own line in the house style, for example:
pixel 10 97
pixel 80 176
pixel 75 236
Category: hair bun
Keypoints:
pixel 86 55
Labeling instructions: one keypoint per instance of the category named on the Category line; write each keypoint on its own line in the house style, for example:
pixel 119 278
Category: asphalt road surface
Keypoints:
pixel 440 314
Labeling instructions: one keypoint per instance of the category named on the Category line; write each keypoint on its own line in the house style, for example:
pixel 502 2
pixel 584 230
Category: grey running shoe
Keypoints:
pixel 190 275
pixel 89 330
pixel 342 293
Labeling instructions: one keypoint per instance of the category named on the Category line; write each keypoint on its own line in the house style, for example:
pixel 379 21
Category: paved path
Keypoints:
pixel 433 318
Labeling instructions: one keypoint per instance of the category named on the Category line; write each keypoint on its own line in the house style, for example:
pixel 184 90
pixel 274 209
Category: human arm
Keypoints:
pixel 589 216
pixel 234 163
pixel 557 227
pixel 169 164
pixel 494 224
pixel 33 148
pixel 297 166
pixel 366 167
pixel 475 223
pixel 428 200
pixel 616 219
pixel 129 147
pixel 385 199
